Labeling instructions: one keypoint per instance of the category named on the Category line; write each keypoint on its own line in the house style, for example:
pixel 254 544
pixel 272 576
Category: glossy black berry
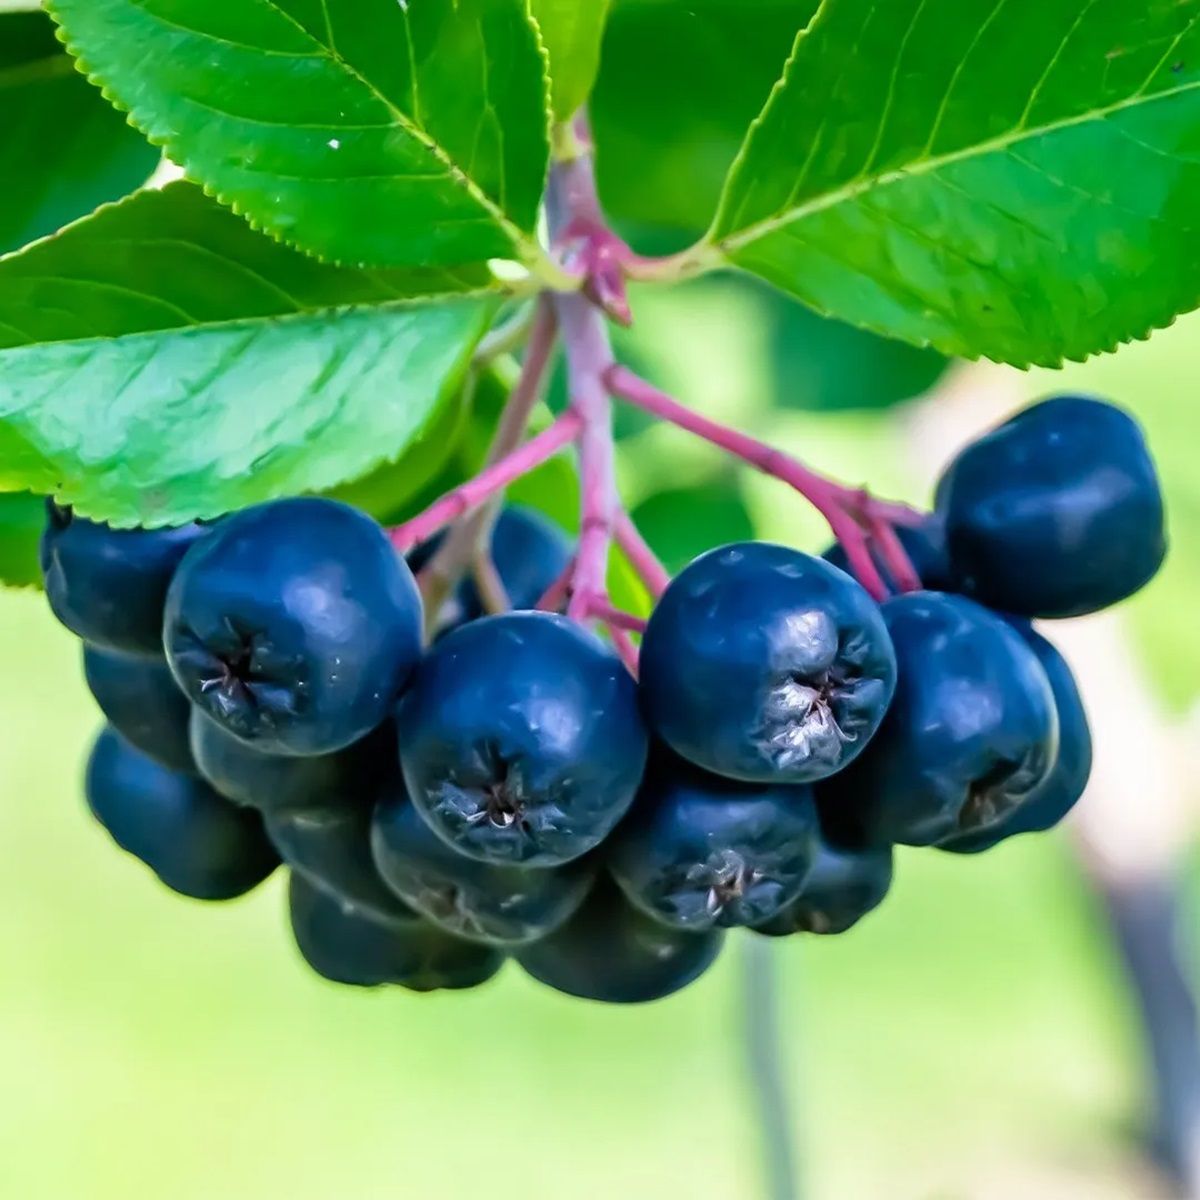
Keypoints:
pixel 521 739
pixel 277 782
pixel 486 902
pixel 530 552
pixel 294 625
pixel 970 735
pixel 766 665
pixel 196 842
pixel 331 848
pixel 347 946
pixel 143 703
pixel 1059 792
pixel 697 850
pixel 107 585
pixel 845 884
pixel 1057 512
pixel 925 545
pixel 612 952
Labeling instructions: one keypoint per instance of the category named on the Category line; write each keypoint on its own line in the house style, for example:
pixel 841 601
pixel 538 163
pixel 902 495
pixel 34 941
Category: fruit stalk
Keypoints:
pixel 572 204
pixel 623 644
pixel 488 482
pixel 616 618
pixel 588 356
pixel 641 557
pixel 850 512
pixel 467 543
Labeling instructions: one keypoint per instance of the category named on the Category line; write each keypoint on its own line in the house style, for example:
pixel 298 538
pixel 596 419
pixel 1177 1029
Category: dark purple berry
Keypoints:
pixel 766 665
pixel 294 625
pixel 486 902
pixel 196 842
pixel 346 946
pixel 521 739
pixel 612 952
pixel 108 585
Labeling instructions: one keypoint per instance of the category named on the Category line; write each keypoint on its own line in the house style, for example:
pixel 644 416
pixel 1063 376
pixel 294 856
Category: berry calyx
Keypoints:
pixel 1064 786
pixel 521 740
pixel 767 665
pixel 294 625
pixel 697 851
pixel 971 733
pixel 486 902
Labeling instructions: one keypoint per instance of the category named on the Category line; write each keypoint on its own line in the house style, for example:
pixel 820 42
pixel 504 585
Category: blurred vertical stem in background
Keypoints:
pixel 763 1046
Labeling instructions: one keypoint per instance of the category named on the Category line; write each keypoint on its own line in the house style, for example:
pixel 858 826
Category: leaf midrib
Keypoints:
pixel 327 313
pixel 848 192
pixel 410 126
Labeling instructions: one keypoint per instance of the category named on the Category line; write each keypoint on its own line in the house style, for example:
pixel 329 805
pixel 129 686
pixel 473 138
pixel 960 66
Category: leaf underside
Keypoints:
pixel 161 361
pixel 1013 178
pixel 63 150
pixel 362 131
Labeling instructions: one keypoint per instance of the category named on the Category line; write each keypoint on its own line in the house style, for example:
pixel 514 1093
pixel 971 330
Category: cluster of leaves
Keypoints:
pixel 364 182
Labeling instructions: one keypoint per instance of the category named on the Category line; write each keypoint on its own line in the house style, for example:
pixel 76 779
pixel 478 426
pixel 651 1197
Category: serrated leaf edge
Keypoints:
pixel 850 191
pixel 711 252
pixel 531 253
pixel 952 350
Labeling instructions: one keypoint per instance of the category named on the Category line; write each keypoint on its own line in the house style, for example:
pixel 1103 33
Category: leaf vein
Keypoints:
pixel 999 144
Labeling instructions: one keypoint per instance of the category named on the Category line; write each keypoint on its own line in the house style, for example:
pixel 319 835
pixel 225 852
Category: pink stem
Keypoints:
pixel 644 561
pixel 892 552
pixel 555 596
pixel 616 618
pixel 468 538
pixel 488 482
pixel 625 648
pixel 571 200
pixel 834 501
pixel 589 355
pixel 817 488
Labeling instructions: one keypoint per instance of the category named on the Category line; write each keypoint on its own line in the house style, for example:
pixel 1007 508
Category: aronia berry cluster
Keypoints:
pixel 510 790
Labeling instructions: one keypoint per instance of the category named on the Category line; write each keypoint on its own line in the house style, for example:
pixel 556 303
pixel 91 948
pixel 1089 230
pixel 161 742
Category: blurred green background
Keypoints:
pixel 971 1039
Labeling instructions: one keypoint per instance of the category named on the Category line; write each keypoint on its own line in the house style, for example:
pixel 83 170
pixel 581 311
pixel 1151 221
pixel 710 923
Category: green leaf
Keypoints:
pixel 63 150
pixel 363 131
pixel 668 126
pixel 572 31
pixel 161 361
pixel 22 517
pixel 1015 179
